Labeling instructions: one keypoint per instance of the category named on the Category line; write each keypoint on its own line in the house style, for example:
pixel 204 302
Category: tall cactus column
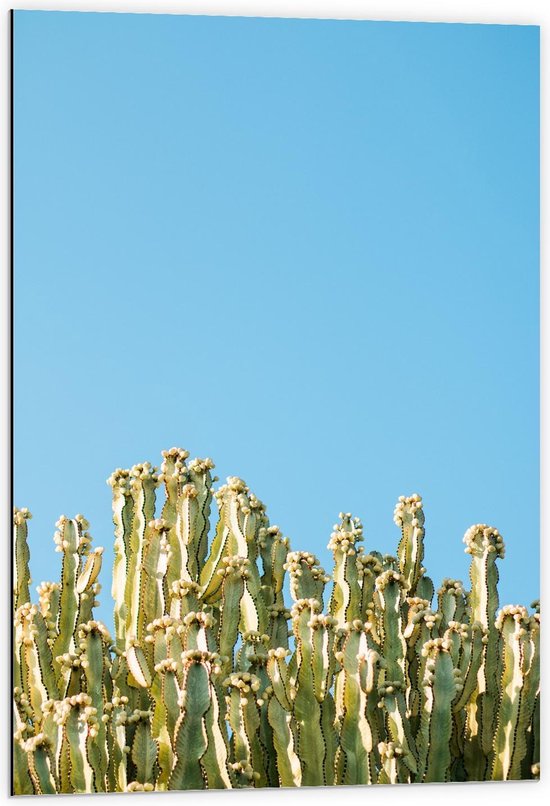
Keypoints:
pixel 485 545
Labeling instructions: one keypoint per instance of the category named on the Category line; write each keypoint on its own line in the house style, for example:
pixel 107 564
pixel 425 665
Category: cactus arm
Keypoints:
pixel 279 677
pixel 87 600
pixel 22 782
pixel 143 482
pixel 425 588
pixel 190 737
pixel 164 690
pixel 278 627
pixel 40 765
pixel 90 572
pixel 450 599
pixel 187 510
pixel 245 517
pixel 513 623
pixel 93 635
pixel 267 535
pixel 392 699
pixel 209 579
pixel 469 664
pixel 288 763
pixel 323 668
pixel 174 473
pixel 390 587
pixel 440 688
pixel 35 674
pixel 67 539
pixel 201 478
pixel 252 725
pixel 266 731
pixel 331 737
pixel 21 557
pixel 369 667
pixel 216 756
pixel 307 578
pixel 44 656
pixel 409 516
pixel 527 736
pixel 137 665
pixel 184 598
pixel 322 663
pixel 345 603
pixel 230 538
pixel 123 515
pixel 254 616
pixel 155 563
pixel 485 546
pixel 535 731
pixel 368 568
pixel 73 713
pixel 279 553
pixel 392 770
pixel 244 719
pixel 118 746
pixel 232 593
pixel 144 748
pixel 48 599
pixel 356 738
pixel 306 709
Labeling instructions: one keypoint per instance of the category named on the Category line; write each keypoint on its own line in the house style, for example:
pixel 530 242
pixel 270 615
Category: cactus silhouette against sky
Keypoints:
pixel 212 681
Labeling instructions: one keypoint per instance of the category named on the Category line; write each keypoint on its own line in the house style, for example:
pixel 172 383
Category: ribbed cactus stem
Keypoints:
pixel 409 516
pixel 39 757
pixel 307 578
pixel 392 771
pixel 369 568
pixel 392 701
pixel 35 659
pixel 390 590
pixel 357 739
pixel 451 601
pixel 190 733
pixel 143 484
pixel 345 603
pixel 21 557
pixel 307 712
pixel 155 564
pixel 215 761
pixel 241 517
pixel 441 684
pixel 510 741
pixel 244 719
pixel 485 545
pixel 175 475
pixel 77 718
pixel 123 514
pixel 72 541
pixel 288 762
pixel 199 519
pixel 93 637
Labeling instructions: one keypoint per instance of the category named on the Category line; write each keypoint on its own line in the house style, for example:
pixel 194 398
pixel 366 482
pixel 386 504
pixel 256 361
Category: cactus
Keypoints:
pixel 212 681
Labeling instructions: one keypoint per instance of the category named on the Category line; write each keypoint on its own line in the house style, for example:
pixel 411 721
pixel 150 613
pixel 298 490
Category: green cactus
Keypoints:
pixel 212 681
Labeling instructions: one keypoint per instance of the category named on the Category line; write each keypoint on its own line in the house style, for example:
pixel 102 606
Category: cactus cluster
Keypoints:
pixel 212 681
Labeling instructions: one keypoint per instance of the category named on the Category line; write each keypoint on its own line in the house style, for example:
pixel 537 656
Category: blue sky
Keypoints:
pixel 307 249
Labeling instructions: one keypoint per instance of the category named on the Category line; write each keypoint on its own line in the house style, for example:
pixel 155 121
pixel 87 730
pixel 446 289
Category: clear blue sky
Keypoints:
pixel 307 249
